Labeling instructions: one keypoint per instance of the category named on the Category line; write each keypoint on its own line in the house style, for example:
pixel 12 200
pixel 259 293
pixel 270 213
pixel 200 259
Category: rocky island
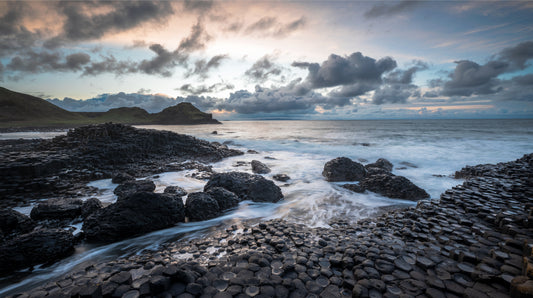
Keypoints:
pixel 475 241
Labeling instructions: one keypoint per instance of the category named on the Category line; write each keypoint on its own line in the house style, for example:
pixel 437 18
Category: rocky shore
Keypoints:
pixel 475 241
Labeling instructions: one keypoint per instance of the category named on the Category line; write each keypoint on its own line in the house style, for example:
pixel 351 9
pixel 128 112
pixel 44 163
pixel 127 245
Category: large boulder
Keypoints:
pixel 225 198
pixel 38 247
pixel 201 206
pixel 90 206
pixel 259 167
pixel 12 221
pixel 136 214
pixel 130 187
pixel 343 169
pixel 246 186
pixel 392 186
pixel 122 178
pixel 381 163
pixel 57 208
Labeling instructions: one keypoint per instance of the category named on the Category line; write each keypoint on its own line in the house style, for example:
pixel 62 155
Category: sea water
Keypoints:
pixel 427 152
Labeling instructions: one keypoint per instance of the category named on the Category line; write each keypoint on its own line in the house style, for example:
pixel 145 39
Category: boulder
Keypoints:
pixel 131 187
pixel 175 190
pixel 225 198
pixel 381 163
pixel 12 221
pixel 38 247
pixel 259 167
pixel 136 214
pixel 90 206
pixel 122 177
pixel 201 206
pixel 57 208
pixel 354 187
pixel 343 169
pixel 392 186
pixel 281 177
pixel 246 186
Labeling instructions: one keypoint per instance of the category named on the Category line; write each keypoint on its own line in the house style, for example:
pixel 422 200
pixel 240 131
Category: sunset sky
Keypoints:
pixel 275 59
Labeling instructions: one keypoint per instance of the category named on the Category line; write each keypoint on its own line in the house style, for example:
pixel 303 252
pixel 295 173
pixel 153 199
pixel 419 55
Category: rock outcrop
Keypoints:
pixel 259 167
pixel 136 214
pixel 57 208
pixel 246 186
pixel 343 169
pixel 130 187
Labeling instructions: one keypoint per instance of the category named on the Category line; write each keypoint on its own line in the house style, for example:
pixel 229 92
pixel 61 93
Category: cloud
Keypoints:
pixel 38 62
pixel 195 41
pixel 162 63
pixel 198 5
pixel 201 89
pixel 270 26
pixel 104 102
pixel 353 70
pixel 84 23
pixel 14 36
pixel 398 85
pixel 262 69
pixel 202 66
pixel 109 64
pixel 518 55
pixel 381 10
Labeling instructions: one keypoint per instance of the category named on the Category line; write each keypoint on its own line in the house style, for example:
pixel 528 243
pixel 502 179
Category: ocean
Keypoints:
pixel 427 152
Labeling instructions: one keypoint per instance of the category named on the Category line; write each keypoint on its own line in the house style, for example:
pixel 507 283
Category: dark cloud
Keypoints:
pixel 270 26
pixel 110 64
pixel 1 72
pixel 262 69
pixel 195 41
pixel 198 5
pixel 162 64
pixel 518 55
pixel 202 66
pixel 201 89
pixel 342 71
pixel 525 80
pixel 405 76
pixel 14 36
pixel 83 24
pixel 471 78
pixel 388 9
pixel 398 85
pixel 37 62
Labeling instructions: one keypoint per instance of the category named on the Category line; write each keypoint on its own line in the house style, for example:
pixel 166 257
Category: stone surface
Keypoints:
pixel 246 186
pixel 201 206
pixel 343 169
pixel 58 208
pixel 259 167
pixel 137 214
pixel 130 187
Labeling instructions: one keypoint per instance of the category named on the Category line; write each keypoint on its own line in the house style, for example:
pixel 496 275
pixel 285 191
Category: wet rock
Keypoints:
pixel 381 163
pixel 37 247
pixel 246 186
pixel 139 213
pixel 259 167
pixel 90 206
pixel 58 208
pixel 122 178
pixel 225 198
pixel 343 169
pixel 175 190
pixel 354 187
pixel 393 186
pixel 281 177
pixel 201 206
pixel 130 187
pixel 12 221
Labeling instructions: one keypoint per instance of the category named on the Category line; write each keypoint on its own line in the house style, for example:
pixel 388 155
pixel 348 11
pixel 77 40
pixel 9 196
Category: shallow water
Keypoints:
pixel 425 151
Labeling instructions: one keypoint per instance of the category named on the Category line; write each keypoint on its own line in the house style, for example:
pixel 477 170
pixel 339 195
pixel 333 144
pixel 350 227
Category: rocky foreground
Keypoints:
pixel 476 241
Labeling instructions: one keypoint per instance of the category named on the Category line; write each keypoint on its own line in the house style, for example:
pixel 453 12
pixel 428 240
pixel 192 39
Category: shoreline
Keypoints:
pixel 475 242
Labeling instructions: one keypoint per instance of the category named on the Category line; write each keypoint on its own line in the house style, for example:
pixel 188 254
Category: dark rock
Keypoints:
pixel 214 132
pixel 343 169
pixel 131 187
pixel 201 206
pixel 122 178
pixel 259 167
pixel 381 164
pixel 354 187
pixel 137 214
pixel 90 206
pixel 281 177
pixel 246 186
pixel 12 221
pixel 175 190
pixel 58 208
pixel 393 186
pixel 251 151
pixel 38 247
pixel 225 198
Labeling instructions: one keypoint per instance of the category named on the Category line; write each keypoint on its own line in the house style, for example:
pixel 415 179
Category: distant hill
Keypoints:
pixel 19 110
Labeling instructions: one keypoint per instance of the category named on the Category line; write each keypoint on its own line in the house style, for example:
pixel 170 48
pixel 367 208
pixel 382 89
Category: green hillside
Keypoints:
pixel 18 110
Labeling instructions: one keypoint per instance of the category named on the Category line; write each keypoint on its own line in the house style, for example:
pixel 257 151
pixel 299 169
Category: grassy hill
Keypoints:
pixel 18 110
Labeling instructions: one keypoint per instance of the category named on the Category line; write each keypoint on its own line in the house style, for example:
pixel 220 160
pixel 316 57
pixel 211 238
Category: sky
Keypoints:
pixel 275 59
